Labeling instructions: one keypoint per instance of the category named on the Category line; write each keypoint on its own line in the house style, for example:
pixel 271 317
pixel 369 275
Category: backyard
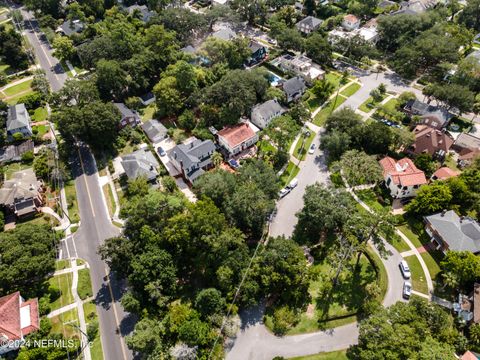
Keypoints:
pixel 40 114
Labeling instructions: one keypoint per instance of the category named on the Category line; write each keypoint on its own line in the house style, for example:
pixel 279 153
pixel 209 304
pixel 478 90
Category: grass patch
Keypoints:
pixel 312 102
pixel 334 78
pixel 290 172
pixel 72 202
pixel 62 264
pixel 432 259
pixel 11 168
pixel 391 104
pixel 266 146
pixel 414 229
pixel 148 112
pixel 351 89
pixel 368 105
pixel 369 197
pixel 107 192
pixel 419 282
pixel 63 285
pixel 399 244
pixel 4 69
pixel 41 129
pixel 91 316
pixel 84 288
pixel 460 125
pixel 410 235
pixel 300 152
pixel 323 114
pixel 61 324
pixel 40 114
pixel 451 163
pixel 24 86
pixel 333 355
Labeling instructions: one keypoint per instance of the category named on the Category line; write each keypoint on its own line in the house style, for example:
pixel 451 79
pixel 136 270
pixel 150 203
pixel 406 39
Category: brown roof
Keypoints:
pixel 236 134
pixel 469 154
pixel 429 140
pixel 403 172
pixel 10 325
pixel 350 18
pixel 444 173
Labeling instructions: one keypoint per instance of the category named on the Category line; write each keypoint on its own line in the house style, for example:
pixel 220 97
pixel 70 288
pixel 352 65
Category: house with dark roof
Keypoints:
pixel 18 318
pixel 429 140
pixel 142 10
pixel 192 157
pixel 128 116
pixel 141 163
pixel 263 114
pixel 147 99
pixel 430 115
pixel 154 130
pixel 452 232
pixel 294 88
pixel 258 53
pixel 18 121
pixel 308 24
pixel 414 7
pixel 237 138
pixel 402 177
pixel 70 27
pixel 466 141
pixel 22 194
pixel 14 152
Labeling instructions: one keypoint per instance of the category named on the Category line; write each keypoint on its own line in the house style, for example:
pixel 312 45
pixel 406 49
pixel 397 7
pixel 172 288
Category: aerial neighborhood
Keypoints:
pixel 234 179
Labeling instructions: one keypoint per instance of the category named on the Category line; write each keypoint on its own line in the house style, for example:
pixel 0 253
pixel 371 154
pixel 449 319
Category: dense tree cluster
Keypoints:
pixel 11 48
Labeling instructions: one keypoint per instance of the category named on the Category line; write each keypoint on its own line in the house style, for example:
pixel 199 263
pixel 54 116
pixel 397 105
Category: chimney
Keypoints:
pixel 444 211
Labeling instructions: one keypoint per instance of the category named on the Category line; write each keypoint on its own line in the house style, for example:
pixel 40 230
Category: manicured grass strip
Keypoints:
pixel 432 260
pixel 323 114
pixel 418 280
pixel 107 192
pixel 382 276
pixel 63 285
pixel 18 88
pixel 333 78
pixel 91 318
pixel 334 355
pixel 410 235
pixel 369 104
pixel 71 195
pixel 62 324
pixel 398 243
pixel 301 152
pixel 369 197
pixel 290 172
pixel 351 89
pixel 391 104
pixel 40 114
pixel 84 288
pixel 62 264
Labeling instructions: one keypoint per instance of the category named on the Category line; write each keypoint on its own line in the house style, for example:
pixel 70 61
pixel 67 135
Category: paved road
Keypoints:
pixel 44 53
pixel 94 229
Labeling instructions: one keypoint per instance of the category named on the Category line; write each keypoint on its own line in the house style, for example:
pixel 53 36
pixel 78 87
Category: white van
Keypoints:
pixel 293 184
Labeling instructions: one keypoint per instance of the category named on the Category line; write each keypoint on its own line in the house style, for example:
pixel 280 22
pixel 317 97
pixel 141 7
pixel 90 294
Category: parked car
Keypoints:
pixel 405 270
pixel 161 152
pixel 293 184
pixel 233 163
pixel 312 149
pixel 284 192
pixel 407 290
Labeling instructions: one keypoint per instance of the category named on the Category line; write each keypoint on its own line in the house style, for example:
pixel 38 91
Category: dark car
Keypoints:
pixel 161 152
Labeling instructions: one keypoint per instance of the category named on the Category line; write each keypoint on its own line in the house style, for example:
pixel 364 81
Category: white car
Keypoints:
pixel 405 269
pixel 312 149
pixel 407 290
pixel 284 192
pixel 293 184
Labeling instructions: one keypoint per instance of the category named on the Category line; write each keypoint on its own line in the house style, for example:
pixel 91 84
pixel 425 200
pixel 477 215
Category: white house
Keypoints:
pixel 263 114
pixel 402 177
pixel 350 22
pixel 18 121
pixel 237 138
pixel 301 65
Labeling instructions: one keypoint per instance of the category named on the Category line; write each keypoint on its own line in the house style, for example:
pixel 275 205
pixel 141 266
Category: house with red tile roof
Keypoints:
pixel 350 22
pixel 18 318
pixel 402 177
pixel 429 140
pixel 237 138
pixel 444 173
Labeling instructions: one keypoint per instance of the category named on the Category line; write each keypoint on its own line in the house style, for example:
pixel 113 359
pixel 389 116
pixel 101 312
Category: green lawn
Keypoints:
pixel 41 129
pixel 148 112
pixel 62 264
pixel 323 114
pixel 107 192
pixel 340 306
pixel 451 163
pixel 71 195
pixel 40 114
pixel 432 260
pixel 11 168
pixel 334 355
pixel 418 280
pixel 369 197
pixel 4 68
pixel 62 324
pixel 84 288
pixel 369 104
pixel 90 311
pixel 313 102
pixel 19 88
pixel 398 243
pixel 351 89
pixel 391 104
pixel 410 235
pixel 334 78
pixel 290 172
pixel 301 152
pixel 63 284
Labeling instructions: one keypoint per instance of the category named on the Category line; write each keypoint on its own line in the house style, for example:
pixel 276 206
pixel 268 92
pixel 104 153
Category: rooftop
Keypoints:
pixel 140 163
pixel 236 134
pixel 351 18
pixel 444 173
pixel 403 172
pixel 468 141
pixel 268 108
pixel 22 185
pixel 17 117
pixel 430 140
pixel 310 22
pixel 17 317
pixel 125 111
pixel 155 130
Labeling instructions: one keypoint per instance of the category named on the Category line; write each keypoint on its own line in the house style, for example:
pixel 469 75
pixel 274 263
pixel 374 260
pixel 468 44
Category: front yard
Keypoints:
pixel 418 280
pixel 290 172
pixel 323 114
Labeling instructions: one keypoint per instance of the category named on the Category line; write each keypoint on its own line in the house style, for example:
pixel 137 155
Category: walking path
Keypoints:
pixel 62 310
pixel 69 270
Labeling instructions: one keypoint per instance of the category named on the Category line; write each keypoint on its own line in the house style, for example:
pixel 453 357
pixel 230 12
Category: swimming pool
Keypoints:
pixel 274 79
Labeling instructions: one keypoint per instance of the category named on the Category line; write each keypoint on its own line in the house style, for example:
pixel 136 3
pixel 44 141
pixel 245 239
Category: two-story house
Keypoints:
pixel 402 177
pixel 236 138
pixel 18 121
pixel 128 116
pixel 350 22
pixel 294 88
pixel 258 53
pixel 263 114
pixel 429 140
pixel 308 24
pixel 192 157
pixel 301 65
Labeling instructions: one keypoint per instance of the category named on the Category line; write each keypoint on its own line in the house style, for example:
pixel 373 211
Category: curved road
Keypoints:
pixel 254 341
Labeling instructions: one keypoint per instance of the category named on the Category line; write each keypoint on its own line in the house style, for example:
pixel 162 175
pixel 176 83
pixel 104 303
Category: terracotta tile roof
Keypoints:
pixel 10 317
pixel 469 356
pixel 236 134
pixel 351 18
pixel 403 172
pixel 444 173
pixel 429 140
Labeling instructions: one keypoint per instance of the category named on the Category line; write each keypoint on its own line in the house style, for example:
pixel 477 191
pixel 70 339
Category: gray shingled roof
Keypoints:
pixel 17 117
pixel 124 110
pixel 154 130
pixel 268 108
pixel 468 141
pixel 225 34
pixel 294 85
pixel 22 185
pixel 309 22
pixel 192 153
pixel 460 234
pixel 71 27
pixel 140 163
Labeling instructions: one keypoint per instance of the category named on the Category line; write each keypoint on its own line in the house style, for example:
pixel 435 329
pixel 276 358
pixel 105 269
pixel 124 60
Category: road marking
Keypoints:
pixel 86 184
pixel 66 247
pixel 117 323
